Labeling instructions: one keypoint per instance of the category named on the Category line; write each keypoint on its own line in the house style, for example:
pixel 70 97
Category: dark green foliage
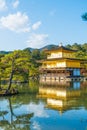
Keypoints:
pixel 68 46
pixel 76 46
pixel 84 47
pixel 81 50
pixel 19 65
pixel 84 16
pixel 43 55
pixel 35 54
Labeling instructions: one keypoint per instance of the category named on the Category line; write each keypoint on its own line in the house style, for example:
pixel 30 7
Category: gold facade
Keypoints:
pixel 61 57
pixel 61 62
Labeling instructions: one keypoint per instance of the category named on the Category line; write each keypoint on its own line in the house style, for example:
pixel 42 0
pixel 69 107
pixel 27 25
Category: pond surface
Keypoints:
pixel 46 106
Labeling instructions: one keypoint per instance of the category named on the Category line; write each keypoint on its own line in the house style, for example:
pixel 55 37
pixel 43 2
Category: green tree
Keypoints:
pixel 84 47
pixel 76 46
pixel 16 67
pixel 35 54
pixel 43 55
pixel 84 16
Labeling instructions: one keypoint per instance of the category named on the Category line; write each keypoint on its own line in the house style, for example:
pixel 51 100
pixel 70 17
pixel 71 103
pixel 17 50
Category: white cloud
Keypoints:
pixel 36 126
pixel 37 40
pixel 15 4
pixel 36 25
pixel 38 110
pixel 3 5
pixel 15 22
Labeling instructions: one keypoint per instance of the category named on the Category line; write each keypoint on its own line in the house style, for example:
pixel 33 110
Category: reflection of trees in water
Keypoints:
pixel 17 122
pixel 30 87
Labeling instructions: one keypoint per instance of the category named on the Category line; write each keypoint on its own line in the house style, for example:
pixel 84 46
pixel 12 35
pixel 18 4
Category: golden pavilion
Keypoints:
pixel 60 64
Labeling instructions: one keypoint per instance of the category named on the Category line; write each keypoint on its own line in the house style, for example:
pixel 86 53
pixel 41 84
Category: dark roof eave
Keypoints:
pixel 61 48
pixel 64 59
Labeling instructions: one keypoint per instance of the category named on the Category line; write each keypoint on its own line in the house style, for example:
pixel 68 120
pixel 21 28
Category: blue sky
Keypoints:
pixel 36 23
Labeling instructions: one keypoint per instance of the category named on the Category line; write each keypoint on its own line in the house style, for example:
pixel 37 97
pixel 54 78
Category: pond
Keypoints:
pixel 46 106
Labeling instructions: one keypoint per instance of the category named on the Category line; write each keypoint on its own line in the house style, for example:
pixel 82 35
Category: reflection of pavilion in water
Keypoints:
pixel 63 95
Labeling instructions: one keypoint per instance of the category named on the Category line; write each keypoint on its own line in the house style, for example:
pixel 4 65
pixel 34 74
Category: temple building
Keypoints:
pixel 61 63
